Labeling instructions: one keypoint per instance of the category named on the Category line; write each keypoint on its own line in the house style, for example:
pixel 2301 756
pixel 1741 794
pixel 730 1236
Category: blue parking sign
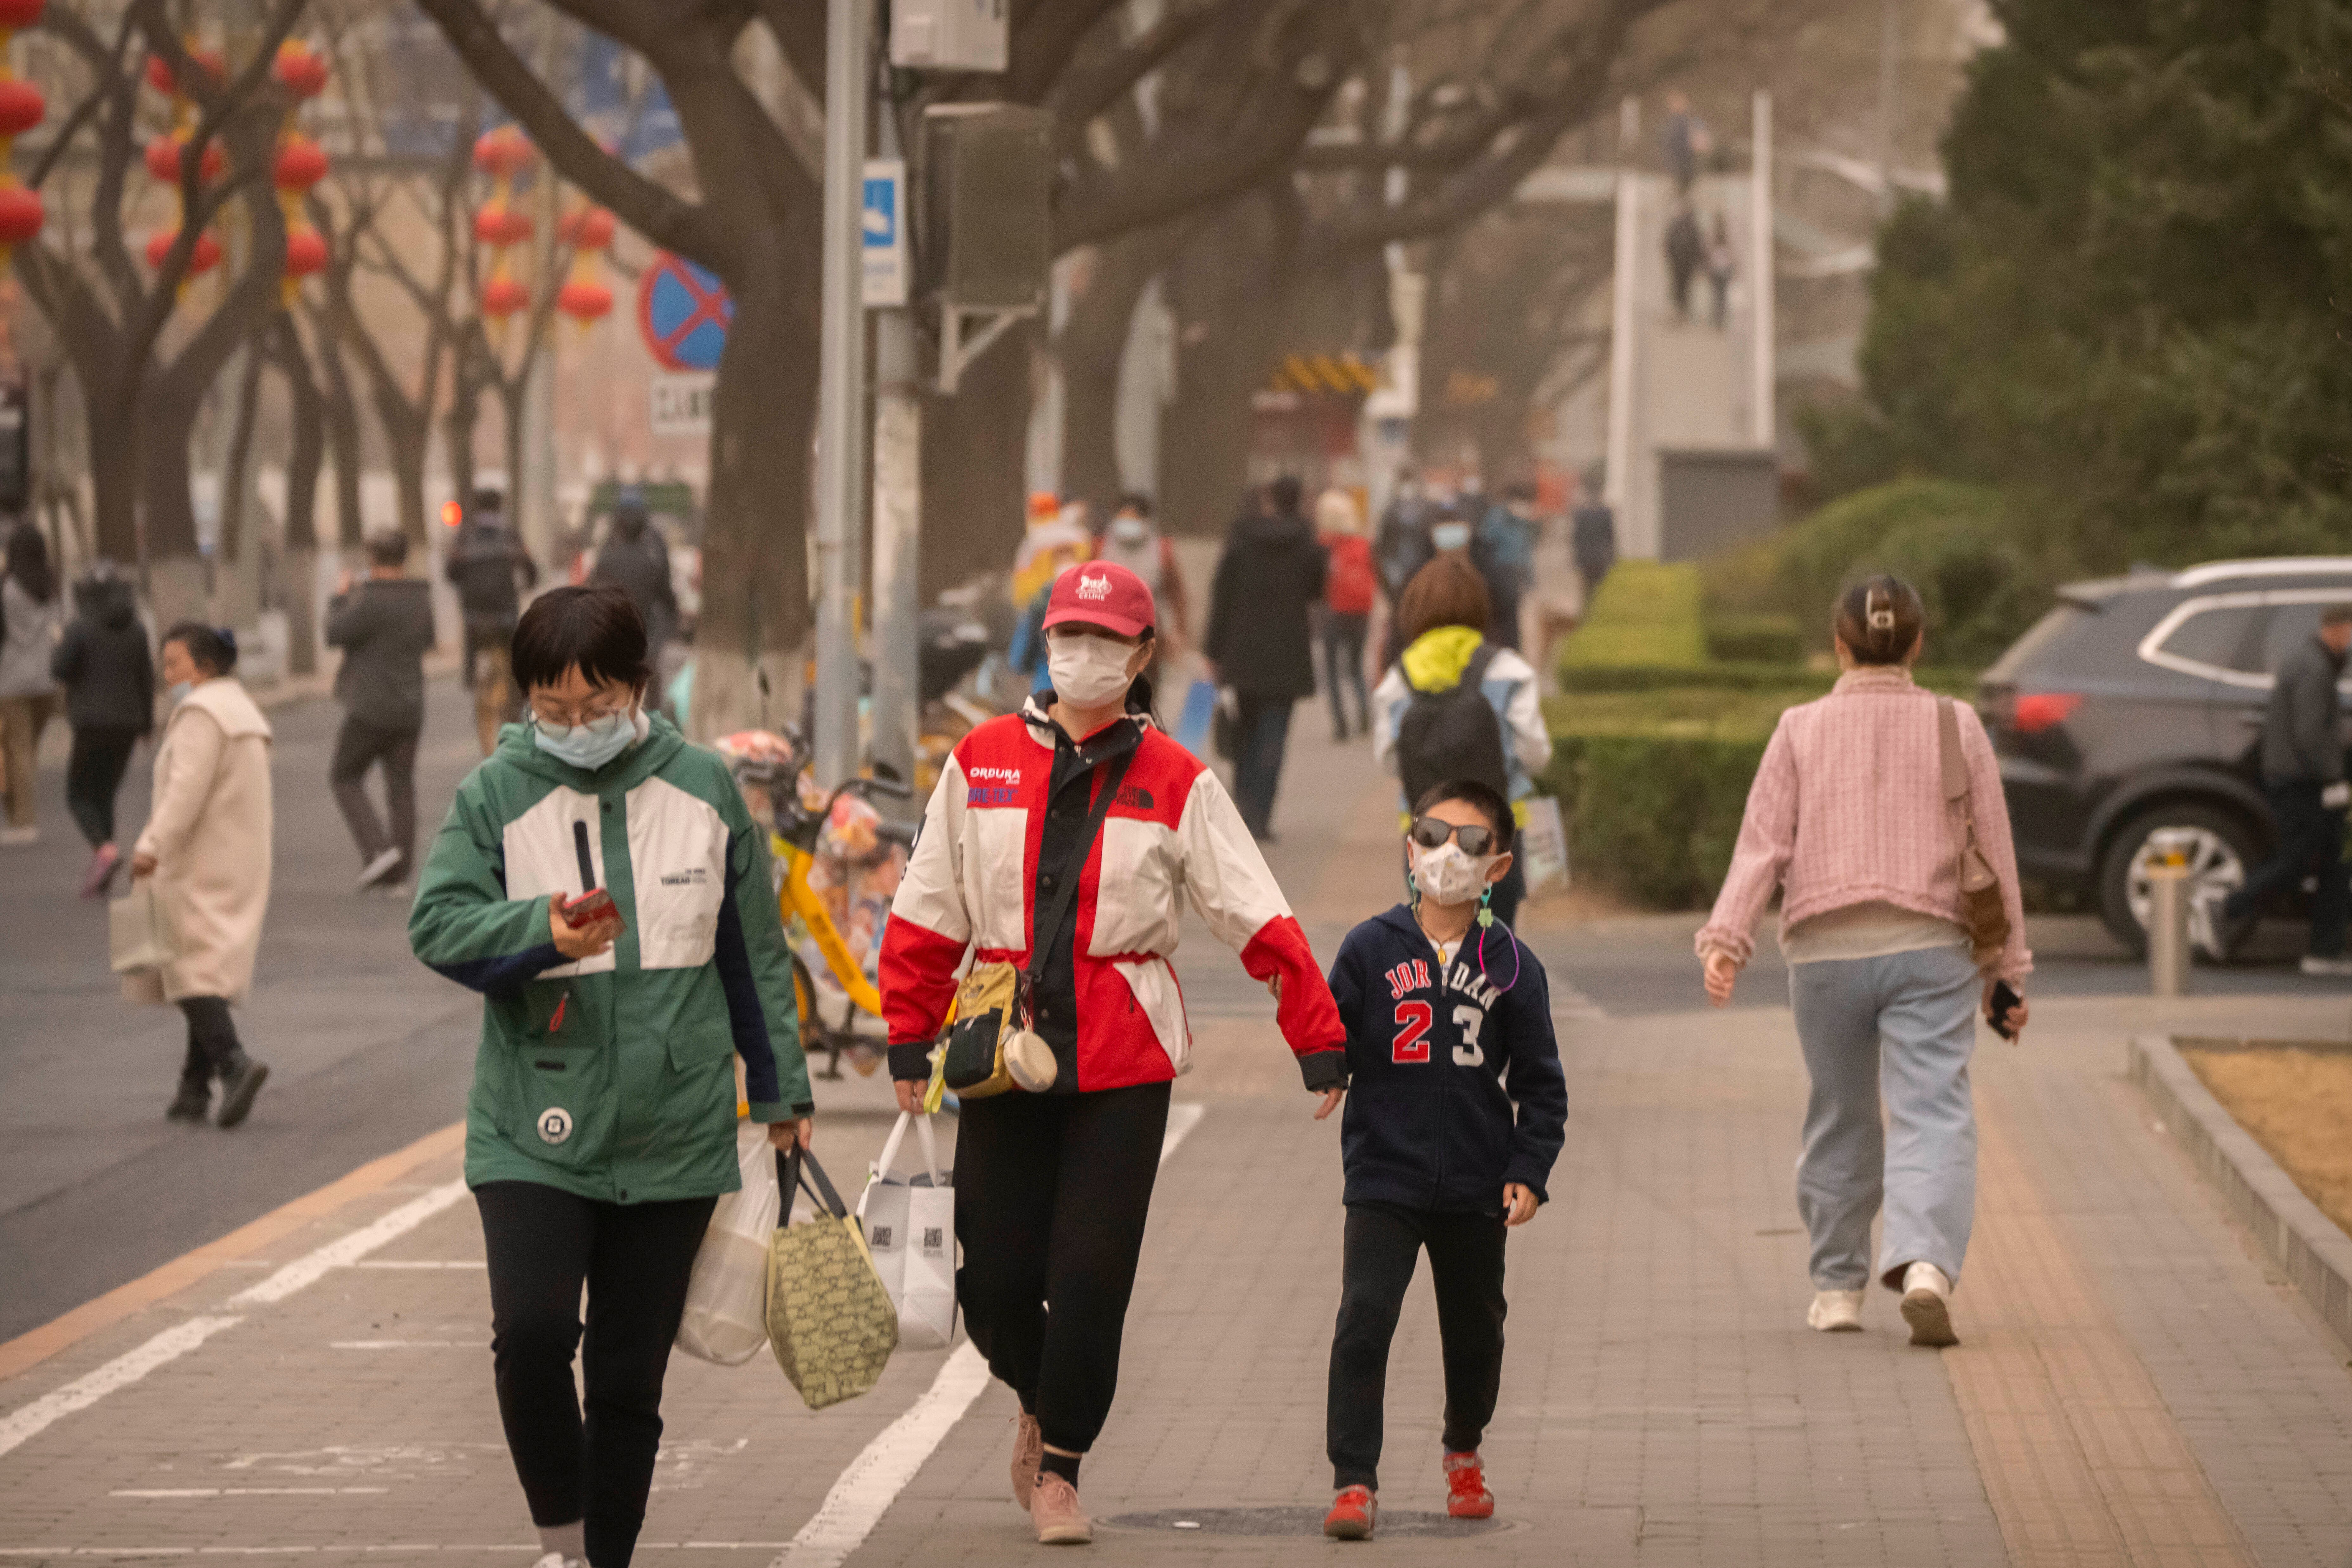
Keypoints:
pixel 884 225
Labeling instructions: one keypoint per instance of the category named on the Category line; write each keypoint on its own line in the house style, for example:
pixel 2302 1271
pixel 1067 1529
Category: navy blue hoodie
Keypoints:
pixel 1428 1123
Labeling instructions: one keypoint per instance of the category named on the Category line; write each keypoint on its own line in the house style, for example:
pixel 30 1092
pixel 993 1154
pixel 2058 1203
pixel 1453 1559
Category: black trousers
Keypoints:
pixel 1343 658
pixel 1263 726
pixel 2310 844
pixel 1466 1263
pixel 635 1259
pixel 1051 1194
pixel 102 755
pixel 359 746
pixel 212 1039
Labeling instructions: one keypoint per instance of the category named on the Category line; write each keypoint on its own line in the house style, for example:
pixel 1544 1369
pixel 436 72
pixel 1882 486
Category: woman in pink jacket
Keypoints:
pixel 1847 819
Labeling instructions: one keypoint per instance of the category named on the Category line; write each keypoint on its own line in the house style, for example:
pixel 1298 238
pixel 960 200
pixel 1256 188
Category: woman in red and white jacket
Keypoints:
pixel 1052 1189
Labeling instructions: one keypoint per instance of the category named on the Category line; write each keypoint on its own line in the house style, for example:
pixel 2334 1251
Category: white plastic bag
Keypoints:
pixel 910 1231
pixel 1543 846
pixel 725 1316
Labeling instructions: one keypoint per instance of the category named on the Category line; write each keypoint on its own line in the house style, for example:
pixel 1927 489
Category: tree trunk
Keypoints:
pixel 1091 348
pixel 408 438
pixel 341 413
pixel 236 467
pixel 974 467
pixel 299 583
pixel 755 587
pixel 1230 300
pixel 114 486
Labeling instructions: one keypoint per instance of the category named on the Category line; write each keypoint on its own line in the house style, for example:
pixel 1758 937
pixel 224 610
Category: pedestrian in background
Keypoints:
pixel 1348 588
pixel 1848 819
pixel 1508 531
pixel 1134 540
pixel 1593 539
pixel 109 679
pixel 1685 254
pixel 1270 572
pixel 1686 141
pixel 32 616
pixel 207 846
pixel 601 1129
pixel 385 627
pixel 1722 265
pixel 635 560
pixel 2303 773
pixel 1456 705
pixel 1402 545
pixel 491 572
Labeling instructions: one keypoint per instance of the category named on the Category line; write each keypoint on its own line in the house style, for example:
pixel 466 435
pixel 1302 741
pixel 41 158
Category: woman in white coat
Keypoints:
pixel 206 845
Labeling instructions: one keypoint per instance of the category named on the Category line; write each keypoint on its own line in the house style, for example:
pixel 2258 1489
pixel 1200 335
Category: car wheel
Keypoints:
pixel 2218 846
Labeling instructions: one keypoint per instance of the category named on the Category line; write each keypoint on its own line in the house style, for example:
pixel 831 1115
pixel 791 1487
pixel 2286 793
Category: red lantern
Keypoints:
pixel 21 106
pixel 503 297
pixel 498 225
pixel 20 215
pixel 206 256
pixel 16 16
pixel 163 160
pixel 590 228
pixel 300 69
pixel 306 252
pixel 504 153
pixel 161 77
pixel 301 162
pixel 583 299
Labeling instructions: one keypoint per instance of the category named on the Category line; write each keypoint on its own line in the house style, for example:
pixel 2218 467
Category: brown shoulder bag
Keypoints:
pixel 1980 902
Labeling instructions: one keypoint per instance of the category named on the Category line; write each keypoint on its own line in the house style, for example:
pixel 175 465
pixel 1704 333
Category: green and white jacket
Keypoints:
pixel 613 1076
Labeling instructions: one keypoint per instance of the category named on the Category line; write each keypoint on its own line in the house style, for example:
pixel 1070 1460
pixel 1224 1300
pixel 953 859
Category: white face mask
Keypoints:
pixel 1089 671
pixel 1450 877
pixel 1451 536
pixel 1130 530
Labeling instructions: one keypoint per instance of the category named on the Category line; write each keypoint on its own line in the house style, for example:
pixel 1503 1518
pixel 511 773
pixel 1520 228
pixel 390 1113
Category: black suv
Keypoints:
pixel 2128 721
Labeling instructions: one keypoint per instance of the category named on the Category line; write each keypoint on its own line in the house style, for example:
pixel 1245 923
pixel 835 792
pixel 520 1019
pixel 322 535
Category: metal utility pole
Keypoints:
pixel 1764 348
pixel 898 522
pixel 1617 484
pixel 841 388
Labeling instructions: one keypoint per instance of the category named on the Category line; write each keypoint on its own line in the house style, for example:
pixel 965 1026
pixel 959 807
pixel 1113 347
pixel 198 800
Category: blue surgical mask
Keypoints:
pixel 590 746
pixel 178 691
pixel 1451 536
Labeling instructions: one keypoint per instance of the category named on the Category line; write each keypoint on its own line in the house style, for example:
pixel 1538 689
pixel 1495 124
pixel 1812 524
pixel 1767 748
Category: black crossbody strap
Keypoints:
pixel 1042 935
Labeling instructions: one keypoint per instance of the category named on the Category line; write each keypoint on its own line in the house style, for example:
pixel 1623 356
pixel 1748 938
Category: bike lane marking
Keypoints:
pixel 874 1480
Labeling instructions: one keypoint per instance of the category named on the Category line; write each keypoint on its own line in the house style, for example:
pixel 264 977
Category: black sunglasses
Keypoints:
pixel 1475 837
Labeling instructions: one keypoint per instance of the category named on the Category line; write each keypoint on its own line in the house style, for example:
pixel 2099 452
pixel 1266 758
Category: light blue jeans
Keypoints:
pixel 1903 1025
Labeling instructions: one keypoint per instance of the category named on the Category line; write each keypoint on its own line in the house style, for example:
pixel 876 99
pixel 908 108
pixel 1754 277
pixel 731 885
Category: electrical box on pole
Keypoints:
pixel 949 35
pixel 987 244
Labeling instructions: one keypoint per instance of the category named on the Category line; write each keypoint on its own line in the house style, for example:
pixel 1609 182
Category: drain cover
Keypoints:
pixel 1292 1522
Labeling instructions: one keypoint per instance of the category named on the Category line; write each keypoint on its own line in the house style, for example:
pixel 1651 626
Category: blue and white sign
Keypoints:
pixel 884 225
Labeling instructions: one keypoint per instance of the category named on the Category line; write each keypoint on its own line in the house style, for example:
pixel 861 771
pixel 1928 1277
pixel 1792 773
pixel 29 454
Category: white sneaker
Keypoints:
pixel 2331 967
pixel 557 1559
pixel 1927 1306
pixel 377 869
pixel 1835 1312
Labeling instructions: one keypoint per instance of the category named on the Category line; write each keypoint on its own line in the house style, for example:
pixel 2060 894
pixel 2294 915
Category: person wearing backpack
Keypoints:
pixel 1457 706
pixel 1348 603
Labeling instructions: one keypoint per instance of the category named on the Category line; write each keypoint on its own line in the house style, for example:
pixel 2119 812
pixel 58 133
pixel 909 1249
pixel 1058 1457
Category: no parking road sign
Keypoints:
pixel 684 312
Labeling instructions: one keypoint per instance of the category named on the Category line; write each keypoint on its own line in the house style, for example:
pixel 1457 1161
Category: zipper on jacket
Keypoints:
pixel 555 1023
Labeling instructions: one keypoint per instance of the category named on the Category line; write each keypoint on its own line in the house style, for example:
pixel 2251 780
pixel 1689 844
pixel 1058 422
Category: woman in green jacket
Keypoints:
pixel 601 1128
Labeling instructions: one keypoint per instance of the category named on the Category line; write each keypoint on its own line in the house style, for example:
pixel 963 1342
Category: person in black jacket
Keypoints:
pixel 385 627
pixel 2303 773
pixel 490 569
pixel 1259 642
pixel 636 558
pixel 1449 1024
pixel 109 675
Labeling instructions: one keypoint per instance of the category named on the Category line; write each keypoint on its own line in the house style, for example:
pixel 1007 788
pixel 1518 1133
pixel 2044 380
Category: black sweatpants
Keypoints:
pixel 212 1039
pixel 1051 1194
pixel 359 746
pixel 1466 1263
pixel 102 755
pixel 637 1259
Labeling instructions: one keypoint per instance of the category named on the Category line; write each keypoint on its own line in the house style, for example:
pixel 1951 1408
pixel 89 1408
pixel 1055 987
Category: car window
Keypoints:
pixel 2290 626
pixel 2219 638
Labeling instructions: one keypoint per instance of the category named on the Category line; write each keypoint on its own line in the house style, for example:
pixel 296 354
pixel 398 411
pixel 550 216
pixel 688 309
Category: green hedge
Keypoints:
pixel 1652 819
pixel 1755 639
pixel 1646 613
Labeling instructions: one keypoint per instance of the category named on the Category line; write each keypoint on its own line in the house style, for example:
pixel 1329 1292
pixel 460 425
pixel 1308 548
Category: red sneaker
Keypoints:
pixel 1466 1496
pixel 1350 1518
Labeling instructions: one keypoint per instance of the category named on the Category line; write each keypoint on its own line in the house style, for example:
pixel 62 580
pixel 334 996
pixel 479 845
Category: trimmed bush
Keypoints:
pixel 1652 819
pixel 1647 612
pixel 1760 639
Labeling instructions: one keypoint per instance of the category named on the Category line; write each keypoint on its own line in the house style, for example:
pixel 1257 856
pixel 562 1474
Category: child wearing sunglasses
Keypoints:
pixel 1442 1005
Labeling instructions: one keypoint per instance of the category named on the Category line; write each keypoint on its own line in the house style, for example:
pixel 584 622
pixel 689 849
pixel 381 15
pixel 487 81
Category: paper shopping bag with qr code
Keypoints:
pixel 911 1231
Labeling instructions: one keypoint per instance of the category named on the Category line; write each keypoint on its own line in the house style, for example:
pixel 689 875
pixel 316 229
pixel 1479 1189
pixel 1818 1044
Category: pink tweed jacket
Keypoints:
pixel 1848 808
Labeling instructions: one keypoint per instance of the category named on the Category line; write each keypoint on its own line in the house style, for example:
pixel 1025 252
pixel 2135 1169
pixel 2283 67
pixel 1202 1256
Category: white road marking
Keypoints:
pixel 408 1344
pixel 248 1491
pixel 466 1548
pixel 865 1491
pixel 459 1263
pixel 29 1421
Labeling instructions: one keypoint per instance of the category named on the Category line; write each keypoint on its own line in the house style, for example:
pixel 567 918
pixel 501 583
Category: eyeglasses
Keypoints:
pixel 1475 837
pixel 564 716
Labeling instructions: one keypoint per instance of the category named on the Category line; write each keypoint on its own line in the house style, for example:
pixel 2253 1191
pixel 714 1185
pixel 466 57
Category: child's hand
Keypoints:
pixel 1331 1099
pixel 1518 1204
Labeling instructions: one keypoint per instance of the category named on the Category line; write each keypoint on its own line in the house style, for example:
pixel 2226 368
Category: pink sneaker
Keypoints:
pixel 95 880
pixel 1028 1453
pixel 1053 1509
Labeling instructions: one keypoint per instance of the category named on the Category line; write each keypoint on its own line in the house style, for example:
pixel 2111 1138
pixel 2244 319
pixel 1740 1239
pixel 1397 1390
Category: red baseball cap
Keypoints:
pixel 1101 593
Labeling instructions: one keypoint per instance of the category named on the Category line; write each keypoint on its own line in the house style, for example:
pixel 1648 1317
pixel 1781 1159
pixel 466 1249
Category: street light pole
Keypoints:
pixel 841 388
pixel 898 519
